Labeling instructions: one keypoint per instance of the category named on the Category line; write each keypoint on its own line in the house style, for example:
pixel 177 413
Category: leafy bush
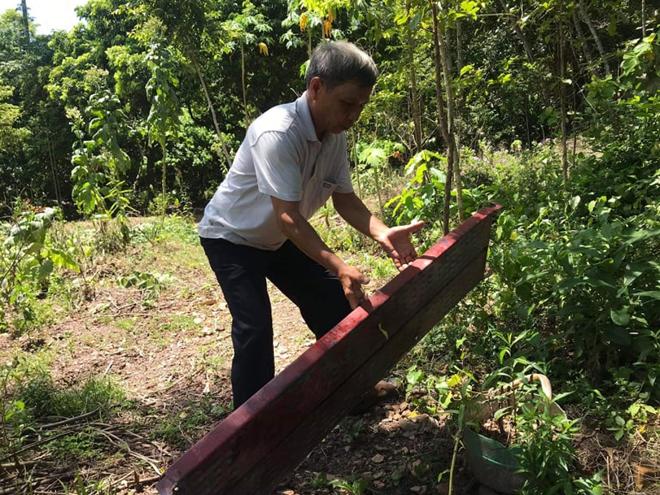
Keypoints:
pixel 586 281
pixel 27 260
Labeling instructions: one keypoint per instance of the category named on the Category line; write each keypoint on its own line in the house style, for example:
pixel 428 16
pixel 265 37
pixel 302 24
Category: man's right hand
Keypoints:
pixel 351 280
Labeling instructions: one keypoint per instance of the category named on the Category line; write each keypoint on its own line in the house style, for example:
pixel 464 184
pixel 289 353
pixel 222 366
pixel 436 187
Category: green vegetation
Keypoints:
pixel 548 108
pixel 32 405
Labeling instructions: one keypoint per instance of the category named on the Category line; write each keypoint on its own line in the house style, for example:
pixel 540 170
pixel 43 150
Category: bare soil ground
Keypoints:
pixel 171 354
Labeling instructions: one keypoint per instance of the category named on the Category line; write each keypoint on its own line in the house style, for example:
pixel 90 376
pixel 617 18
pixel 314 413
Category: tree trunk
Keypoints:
pixel 583 41
pixel 357 165
pixel 414 95
pixel 445 59
pixel 51 160
pixel 163 177
pixel 585 17
pixel 562 96
pixel 460 109
pixel 26 22
pixel 521 36
pixel 209 103
pixel 459 47
pixel 643 19
pixel 442 121
pixel 245 108
pixel 309 42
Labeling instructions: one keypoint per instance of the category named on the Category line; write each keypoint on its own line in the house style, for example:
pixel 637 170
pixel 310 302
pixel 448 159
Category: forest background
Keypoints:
pixel 548 108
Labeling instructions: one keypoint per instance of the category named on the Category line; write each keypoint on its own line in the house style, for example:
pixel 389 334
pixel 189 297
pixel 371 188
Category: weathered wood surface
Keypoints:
pixel 263 440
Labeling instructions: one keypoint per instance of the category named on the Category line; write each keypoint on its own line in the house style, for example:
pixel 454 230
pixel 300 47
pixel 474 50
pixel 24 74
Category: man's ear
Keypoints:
pixel 314 87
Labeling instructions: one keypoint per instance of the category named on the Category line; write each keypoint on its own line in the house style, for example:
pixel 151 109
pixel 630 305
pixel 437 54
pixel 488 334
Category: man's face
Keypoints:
pixel 337 109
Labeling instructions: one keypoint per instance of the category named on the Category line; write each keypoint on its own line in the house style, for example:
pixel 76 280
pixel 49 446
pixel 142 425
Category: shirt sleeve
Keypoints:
pixel 276 166
pixel 343 176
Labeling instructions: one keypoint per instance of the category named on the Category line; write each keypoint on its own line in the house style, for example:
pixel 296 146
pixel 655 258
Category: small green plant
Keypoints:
pixel 163 122
pixel 320 481
pixel 423 196
pixel 27 260
pixel 546 454
pixel 351 487
pixel 149 284
pixel 98 160
pixel 373 172
pixel 171 227
pixel 82 486
pixel 79 446
pixel 42 397
pixel 99 167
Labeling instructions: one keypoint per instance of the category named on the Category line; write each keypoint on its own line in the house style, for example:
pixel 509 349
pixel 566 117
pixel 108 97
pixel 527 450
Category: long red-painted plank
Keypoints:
pixel 314 427
pixel 228 454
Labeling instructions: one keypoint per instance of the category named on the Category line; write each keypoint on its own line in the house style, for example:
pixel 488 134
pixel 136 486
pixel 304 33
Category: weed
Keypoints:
pixel 320 481
pixel 125 324
pixel 43 398
pixel 351 487
pixel 180 428
pixel 27 259
pixel 149 284
pixel 85 445
pixel 82 486
pixel 171 227
pixel 30 397
pixel 354 427
pixel 379 267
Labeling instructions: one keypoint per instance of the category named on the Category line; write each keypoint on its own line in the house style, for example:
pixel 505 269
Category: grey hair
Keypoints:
pixel 337 62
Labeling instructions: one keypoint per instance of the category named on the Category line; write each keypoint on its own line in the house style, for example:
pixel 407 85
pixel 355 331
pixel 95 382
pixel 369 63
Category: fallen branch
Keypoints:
pixel 35 445
pixel 122 444
pixel 69 420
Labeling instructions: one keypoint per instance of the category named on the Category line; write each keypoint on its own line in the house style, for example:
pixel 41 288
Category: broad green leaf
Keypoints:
pixel 620 317
pixel 454 381
pixel 651 294
pixel 466 69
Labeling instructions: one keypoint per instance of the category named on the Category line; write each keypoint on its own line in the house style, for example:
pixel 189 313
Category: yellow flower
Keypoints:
pixel 263 48
pixel 327 28
pixel 303 21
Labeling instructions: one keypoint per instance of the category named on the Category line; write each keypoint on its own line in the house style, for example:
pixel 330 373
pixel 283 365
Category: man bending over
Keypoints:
pixel 292 160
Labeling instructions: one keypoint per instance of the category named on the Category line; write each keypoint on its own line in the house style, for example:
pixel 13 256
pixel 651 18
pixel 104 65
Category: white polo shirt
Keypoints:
pixel 281 157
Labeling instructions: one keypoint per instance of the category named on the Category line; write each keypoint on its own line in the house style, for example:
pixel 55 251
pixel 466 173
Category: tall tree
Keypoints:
pixel 189 25
pixel 413 18
pixel 164 116
pixel 26 21
pixel 247 28
pixel 562 90
pixel 599 44
pixel 442 115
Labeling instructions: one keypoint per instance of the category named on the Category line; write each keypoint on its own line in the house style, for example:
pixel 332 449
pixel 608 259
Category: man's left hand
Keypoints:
pixel 396 243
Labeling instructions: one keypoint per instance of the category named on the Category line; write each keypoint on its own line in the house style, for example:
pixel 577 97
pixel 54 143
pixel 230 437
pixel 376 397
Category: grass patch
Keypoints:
pixel 43 398
pixel 183 427
pixel 27 380
pixel 31 399
pixel 125 324
pixel 381 268
pixel 85 445
pixel 180 323
pixel 172 227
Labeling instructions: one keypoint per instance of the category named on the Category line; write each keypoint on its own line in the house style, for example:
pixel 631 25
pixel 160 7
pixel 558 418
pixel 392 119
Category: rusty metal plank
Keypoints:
pixel 310 396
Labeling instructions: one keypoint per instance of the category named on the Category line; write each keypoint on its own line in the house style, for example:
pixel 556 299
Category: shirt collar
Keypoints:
pixel 302 109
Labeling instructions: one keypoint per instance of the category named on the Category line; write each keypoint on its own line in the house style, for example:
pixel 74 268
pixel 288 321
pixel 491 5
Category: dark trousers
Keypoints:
pixel 242 272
